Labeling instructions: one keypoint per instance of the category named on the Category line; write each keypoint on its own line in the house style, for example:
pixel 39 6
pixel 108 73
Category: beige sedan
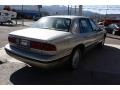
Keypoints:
pixel 53 40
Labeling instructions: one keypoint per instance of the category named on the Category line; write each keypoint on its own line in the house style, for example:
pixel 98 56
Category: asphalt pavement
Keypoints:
pixel 99 67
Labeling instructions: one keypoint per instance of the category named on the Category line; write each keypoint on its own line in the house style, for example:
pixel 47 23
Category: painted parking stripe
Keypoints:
pixel 113 45
pixel 4 56
pixel 14 60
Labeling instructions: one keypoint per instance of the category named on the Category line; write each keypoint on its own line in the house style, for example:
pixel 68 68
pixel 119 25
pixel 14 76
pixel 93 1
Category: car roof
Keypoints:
pixel 67 16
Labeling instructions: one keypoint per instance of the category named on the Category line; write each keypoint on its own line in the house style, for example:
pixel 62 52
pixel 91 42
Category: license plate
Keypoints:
pixel 24 43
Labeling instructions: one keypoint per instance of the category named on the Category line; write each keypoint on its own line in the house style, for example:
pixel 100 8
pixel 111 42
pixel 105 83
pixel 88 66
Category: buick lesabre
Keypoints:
pixel 53 40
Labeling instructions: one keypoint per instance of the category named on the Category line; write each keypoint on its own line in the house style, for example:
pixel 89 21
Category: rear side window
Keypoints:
pixel 85 26
pixel 94 25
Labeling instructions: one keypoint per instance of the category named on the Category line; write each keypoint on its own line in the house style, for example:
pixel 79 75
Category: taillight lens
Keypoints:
pixel 42 46
pixel 11 39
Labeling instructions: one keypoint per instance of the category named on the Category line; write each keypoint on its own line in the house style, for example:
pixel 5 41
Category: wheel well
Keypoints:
pixel 81 47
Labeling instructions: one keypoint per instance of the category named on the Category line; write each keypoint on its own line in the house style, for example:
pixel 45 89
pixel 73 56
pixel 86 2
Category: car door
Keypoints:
pixel 87 32
pixel 97 30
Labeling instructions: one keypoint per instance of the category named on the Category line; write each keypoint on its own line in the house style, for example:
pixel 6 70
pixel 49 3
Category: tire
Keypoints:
pixel 101 44
pixel 75 59
pixel 113 32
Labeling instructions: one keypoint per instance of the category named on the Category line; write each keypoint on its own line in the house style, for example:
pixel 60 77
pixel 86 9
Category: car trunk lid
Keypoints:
pixel 40 34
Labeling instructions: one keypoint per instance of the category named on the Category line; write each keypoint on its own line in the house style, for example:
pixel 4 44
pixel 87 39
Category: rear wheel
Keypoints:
pixel 113 32
pixel 75 58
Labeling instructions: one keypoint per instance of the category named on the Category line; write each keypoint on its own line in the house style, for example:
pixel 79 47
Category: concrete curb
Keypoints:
pixel 113 36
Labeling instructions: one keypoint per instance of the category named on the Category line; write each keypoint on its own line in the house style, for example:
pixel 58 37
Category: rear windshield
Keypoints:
pixel 62 24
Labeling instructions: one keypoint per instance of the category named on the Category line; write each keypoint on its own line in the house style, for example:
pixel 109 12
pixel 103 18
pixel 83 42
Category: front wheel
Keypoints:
pixel 75 58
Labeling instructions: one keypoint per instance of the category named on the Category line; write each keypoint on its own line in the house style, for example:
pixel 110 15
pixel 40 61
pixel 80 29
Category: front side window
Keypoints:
pixel 62 24
pixel 75 26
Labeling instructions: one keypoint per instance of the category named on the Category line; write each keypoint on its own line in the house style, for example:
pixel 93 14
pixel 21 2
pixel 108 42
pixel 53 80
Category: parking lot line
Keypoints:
pixel 113 45
pixel 4 56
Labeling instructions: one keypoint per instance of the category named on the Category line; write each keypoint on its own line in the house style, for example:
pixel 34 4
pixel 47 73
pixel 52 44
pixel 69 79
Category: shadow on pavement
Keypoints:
pixel 98 67
pixel 9 25
pixel 0 62
pixel 12 25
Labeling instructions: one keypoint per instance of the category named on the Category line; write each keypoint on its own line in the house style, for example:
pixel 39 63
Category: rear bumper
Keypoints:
pixel 34 59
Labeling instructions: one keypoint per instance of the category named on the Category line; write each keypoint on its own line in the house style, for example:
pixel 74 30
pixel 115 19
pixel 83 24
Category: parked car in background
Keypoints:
pixel 113 28
pixel 7 16
pixel 53 40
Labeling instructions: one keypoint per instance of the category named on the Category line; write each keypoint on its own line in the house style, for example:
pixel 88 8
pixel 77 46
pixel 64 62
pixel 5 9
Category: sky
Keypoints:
pixel 102 9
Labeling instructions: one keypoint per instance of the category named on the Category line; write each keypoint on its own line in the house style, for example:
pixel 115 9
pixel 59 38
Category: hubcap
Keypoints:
pixel 113 32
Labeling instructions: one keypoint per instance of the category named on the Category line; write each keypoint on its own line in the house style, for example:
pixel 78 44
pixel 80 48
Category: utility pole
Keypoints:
pixel 39 7
pixel 22 16
pixel 71 10
pixel 106 12
pixel 80 10
pixel 68 9
pixel 75 9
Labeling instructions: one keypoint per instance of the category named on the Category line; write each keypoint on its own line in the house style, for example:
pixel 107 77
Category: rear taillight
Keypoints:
pixel 11 39
pixel 42 46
